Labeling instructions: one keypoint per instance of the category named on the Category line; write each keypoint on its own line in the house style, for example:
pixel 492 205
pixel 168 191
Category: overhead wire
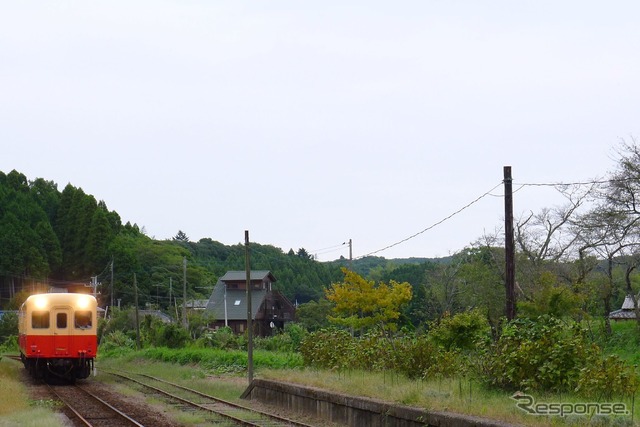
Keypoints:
pixel 487 193
pixel 339 246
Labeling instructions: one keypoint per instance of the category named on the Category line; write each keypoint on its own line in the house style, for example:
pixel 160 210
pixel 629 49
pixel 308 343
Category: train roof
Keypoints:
pixel 61 297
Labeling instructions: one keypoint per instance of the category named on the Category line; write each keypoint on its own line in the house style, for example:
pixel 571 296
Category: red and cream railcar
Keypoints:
pixel 57 335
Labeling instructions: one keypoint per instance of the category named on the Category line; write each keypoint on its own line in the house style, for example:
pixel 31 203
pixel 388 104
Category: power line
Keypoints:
pixel 577 183
pixel 329 247
pixel 488 193
pixel 435 224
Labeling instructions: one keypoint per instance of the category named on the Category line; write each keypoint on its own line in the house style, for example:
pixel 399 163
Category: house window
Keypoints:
pixel 237 302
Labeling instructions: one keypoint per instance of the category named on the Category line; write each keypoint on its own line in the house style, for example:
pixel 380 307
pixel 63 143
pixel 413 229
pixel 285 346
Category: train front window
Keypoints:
pixel 61 320
pixel 83 319
pixel 40 319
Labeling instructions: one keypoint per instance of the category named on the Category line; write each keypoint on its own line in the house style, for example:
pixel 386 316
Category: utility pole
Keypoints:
pixel 226 322
pixel 350 254
pixel 135 289
pixel 185 323
pixel 94 285
pixel 112 287
pixel 247 268
pixel 509 245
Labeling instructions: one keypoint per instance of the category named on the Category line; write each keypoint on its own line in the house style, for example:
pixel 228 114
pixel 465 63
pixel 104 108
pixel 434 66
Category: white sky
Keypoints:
pixel 311 123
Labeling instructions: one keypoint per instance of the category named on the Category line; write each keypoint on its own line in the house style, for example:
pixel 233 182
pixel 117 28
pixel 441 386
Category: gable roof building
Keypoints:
pixel 626 312
pixel 270 310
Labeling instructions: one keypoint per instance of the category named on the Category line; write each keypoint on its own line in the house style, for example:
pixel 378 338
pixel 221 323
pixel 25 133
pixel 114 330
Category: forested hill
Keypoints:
pixel 56 237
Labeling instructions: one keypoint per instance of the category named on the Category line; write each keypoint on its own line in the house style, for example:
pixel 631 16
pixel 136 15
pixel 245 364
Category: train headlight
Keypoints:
pixel 40 303
pixel 83 302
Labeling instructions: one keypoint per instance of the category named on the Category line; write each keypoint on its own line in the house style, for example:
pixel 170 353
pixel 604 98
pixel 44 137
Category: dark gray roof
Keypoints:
pixel 242 275
pixel 197 303
pixel 236 302
pixel 157 313
pixel 622 314
pixel 626 312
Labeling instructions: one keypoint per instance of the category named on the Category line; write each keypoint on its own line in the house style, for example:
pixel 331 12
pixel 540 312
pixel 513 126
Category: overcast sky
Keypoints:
pixel 310 123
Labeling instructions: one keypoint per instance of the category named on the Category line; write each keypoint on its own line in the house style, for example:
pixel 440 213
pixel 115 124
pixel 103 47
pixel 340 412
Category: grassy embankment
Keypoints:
pixel 222 373
pixel 16 406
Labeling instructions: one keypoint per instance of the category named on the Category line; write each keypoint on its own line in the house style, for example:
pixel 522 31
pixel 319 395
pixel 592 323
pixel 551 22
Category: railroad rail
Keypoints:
pixel 13 357
pixel 238 414
pixel 89 409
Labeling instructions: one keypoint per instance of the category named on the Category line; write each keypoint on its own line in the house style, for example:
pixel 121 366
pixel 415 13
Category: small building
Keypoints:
pixel 197 305
pixel 165 318
pixel 270 310
pixel 627 312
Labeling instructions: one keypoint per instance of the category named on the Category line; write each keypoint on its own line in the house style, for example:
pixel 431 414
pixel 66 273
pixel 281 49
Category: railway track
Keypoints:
pixel 221 409
pixel 91 410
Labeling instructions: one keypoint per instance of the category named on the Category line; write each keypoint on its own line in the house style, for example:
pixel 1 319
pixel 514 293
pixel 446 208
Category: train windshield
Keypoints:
pixel 83 319
pixel 40 319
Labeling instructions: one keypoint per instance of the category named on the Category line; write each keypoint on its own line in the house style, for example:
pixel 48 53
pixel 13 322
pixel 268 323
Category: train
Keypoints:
pixel 57 335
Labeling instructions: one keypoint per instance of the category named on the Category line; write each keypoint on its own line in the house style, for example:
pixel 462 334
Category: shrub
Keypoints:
pixel 8 326
pixel 410 355
pixel 170 335
pixel 461 331
pixel 606 377
pixel 224 339
pixel 10 345
pixel 548 354
pixel 328 348
pixel 116 342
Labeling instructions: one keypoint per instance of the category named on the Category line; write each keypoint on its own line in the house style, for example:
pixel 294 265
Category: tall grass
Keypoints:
pixel 624 341
pixel 457 395
pixel 221 360
pixel 16 406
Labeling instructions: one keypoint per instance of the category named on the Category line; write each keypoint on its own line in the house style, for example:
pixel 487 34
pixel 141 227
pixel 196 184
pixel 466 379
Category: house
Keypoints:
pixel 627 312
pixel 270 310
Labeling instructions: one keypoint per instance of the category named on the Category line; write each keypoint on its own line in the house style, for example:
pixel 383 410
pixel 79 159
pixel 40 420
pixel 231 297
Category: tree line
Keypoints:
pixel 52 238
pixel 578 259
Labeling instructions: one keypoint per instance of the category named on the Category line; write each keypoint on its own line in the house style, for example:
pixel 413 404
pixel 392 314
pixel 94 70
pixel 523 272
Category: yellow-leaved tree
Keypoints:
pixel 360 303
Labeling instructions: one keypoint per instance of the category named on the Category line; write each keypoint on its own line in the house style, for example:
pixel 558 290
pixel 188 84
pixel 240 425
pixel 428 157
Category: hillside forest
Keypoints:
pixel 576 260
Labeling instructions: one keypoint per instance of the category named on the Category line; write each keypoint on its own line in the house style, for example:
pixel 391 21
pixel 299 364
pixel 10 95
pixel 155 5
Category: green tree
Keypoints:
pixel 181 237
pixel 359 303
pixel 314 315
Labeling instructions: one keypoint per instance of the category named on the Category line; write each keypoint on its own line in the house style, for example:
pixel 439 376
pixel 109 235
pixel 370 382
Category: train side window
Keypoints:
pixel 40 319
pixel 83 320
pixel 61 320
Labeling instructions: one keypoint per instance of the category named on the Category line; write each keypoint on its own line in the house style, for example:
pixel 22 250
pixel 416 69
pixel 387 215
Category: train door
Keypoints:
pixel 61 330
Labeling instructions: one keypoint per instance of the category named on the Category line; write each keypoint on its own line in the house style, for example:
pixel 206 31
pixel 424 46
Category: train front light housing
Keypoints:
pixel 40 302
pixel 83 302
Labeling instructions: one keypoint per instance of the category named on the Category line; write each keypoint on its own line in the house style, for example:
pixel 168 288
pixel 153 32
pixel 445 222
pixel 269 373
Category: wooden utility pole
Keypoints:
pixel 509 246
pixel 247 269
pixel 185 323
pixel 135 290
pixel 112 287
pixel 350 254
